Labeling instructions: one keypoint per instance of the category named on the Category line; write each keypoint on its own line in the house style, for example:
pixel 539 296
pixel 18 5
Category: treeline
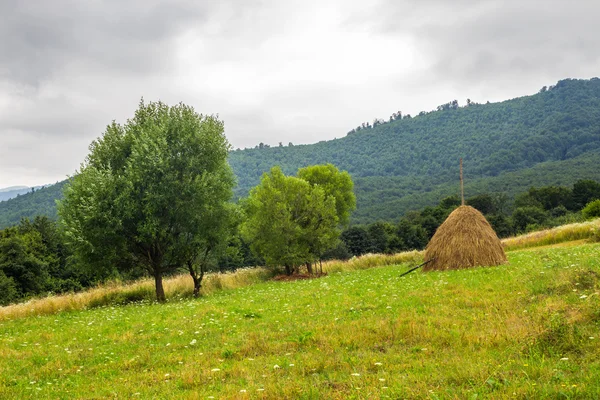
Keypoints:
pixel 418 155
pixel 535 209
pixel 406 164
pixel 36 258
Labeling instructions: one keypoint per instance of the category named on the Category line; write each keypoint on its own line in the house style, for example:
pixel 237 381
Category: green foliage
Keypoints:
pixel 592 210
pixel 31 204
pixel 525 216
pixel 289 221
pixel 545 139
pixel 584 191
pixel 409 163
pixel 35 261
pixel 334 183
pixel 148 192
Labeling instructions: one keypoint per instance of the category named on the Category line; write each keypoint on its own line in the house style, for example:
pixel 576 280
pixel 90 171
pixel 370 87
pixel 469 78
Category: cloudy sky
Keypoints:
pixel 296 71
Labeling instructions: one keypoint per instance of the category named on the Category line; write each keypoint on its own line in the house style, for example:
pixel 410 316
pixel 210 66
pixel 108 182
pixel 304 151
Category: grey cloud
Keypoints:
pixel 497 41
pixel 129 36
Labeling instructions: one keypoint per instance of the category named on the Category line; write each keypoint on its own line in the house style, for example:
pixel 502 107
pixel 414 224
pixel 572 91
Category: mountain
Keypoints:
pixel 11 188
pixel 38 202
pixel 12 191
pixel 551 137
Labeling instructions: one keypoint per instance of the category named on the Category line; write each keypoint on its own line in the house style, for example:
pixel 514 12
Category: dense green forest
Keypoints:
pixel 549 138
pixel 407 163
pixel 31 204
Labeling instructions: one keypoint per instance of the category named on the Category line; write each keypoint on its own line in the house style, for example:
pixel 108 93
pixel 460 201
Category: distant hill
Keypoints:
pixel 38 202
pixel 552 137
pixel 13 191
pixel 11 188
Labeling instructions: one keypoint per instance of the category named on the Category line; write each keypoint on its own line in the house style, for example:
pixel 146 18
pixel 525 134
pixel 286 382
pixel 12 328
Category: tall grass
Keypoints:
pixel 115 293
pixel 560 234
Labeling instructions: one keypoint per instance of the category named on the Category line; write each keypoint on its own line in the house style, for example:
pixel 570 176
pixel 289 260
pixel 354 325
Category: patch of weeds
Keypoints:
pixel 228 354
pixel 586 279
pixel 304 337
pixel 558 338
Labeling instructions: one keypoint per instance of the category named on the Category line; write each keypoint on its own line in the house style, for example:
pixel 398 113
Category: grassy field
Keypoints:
pixel 529 329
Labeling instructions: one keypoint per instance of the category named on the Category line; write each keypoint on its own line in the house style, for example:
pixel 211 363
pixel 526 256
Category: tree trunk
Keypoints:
pixel 309 268
pixel 288 270
pixel 160 291
pixel 197 285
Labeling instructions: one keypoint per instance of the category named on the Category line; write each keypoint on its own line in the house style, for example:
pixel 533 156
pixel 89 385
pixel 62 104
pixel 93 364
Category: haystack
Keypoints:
pixel 464 240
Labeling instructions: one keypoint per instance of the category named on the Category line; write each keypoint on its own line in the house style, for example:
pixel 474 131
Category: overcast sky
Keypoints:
pixel 275 71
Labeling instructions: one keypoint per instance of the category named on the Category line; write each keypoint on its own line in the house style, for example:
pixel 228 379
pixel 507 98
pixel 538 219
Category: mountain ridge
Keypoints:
pixel 551 137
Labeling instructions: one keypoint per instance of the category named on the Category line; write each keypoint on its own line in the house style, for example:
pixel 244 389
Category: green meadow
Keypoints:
pixel 528 329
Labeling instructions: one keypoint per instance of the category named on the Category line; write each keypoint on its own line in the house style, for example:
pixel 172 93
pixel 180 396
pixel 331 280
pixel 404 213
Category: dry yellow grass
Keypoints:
pixel 564 233
pixel 118 292
pixel 181 285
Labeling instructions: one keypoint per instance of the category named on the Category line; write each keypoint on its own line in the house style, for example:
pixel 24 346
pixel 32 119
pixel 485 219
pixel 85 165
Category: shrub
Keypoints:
pixel 591 210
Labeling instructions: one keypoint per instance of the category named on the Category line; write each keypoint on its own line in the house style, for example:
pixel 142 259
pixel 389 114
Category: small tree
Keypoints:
pixel 288 220
pixel 592 210
pixel 147 188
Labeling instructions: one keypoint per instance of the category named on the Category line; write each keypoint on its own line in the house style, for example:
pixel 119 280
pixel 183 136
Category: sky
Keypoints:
pixel 297 71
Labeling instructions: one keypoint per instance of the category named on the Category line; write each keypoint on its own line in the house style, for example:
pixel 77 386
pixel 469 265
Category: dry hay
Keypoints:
pixel 464 240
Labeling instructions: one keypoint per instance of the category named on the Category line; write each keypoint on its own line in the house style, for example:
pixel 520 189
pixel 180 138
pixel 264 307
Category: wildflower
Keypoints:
pixel 215 369
pixel 355 374
pixel 276 366
pixel 564 359
pixel 193 342
pixel 378 363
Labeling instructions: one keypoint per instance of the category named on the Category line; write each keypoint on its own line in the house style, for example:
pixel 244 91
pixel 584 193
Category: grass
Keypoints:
pixel 528 329
pixel 560 234
pixel 116 293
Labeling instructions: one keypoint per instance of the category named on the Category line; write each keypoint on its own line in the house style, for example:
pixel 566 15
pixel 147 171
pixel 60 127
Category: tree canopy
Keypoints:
pixel 290 222
pixel 144 194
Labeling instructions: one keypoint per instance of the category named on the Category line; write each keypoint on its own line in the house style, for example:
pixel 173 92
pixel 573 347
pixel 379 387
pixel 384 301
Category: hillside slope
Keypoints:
pixel 552 137
pixel 526 330
pixel 28 205
pixel 416 155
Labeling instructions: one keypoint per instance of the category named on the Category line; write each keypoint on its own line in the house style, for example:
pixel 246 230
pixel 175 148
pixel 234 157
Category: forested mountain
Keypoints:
pixel 12 192
pixel 38 202
pixel 549 138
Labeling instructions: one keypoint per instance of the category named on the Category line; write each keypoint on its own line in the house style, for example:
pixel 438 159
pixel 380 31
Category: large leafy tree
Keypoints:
pixel 145 192
pixel 289 222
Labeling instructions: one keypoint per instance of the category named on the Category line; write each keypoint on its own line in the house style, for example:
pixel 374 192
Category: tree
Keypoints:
pixel 289 222
pixel 483 202
pixel 584 191
pixel 145 192
pixel 592 210
pixel 335 183
pixel 524 216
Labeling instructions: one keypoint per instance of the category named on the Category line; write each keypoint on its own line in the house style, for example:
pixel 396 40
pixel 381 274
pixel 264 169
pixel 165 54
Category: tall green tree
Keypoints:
pixel 289 222
pixel 145 191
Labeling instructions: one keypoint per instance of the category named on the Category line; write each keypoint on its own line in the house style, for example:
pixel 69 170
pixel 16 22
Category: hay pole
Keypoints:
pixel 462 187
pixel 418 266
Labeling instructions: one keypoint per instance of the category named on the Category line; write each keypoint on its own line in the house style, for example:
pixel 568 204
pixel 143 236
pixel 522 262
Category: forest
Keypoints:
pixel 407 163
